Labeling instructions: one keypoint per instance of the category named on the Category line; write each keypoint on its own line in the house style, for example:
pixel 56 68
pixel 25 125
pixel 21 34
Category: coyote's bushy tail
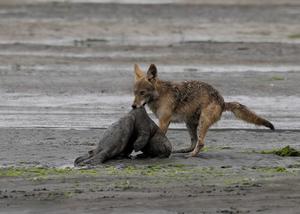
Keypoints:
pixel 243 113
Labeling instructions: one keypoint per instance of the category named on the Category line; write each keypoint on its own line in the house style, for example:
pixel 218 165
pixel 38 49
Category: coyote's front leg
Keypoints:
pixel 164 123
pixel 192 129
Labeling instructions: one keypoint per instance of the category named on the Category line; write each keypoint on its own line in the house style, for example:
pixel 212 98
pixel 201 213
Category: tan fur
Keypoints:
pixel 196 103
pixel 245 114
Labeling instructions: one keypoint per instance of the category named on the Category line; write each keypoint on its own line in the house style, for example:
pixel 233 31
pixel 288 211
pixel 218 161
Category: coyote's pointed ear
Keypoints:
pixel 139 74
pixel 152 73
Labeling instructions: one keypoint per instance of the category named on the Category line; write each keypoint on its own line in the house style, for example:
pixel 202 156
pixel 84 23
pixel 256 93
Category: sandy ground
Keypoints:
pixel 229 176
pixel 66 73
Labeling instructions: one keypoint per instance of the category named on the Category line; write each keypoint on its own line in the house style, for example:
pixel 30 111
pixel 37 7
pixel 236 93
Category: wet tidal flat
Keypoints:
pixel 66 73
pixel 231 169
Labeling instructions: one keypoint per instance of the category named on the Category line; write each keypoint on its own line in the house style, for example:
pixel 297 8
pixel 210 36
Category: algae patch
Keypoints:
pixel 42 172
pixel 123 185
pixel 277 169
pixel 277 78
pixel 294 36
pixel 150 170
pixel 284 152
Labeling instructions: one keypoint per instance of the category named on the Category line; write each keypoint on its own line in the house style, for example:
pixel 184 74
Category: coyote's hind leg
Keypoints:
pixel 209 116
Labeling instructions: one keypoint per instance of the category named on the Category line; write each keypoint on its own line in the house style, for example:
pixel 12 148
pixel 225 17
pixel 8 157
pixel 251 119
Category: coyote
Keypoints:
pixel 196 103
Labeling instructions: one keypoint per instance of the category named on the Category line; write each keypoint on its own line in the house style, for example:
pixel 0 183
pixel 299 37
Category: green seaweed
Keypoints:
pixel 280 169
pixel 150 170
pixel 284 152
pixel 123 185
pixel 272 170
pixel 277 78
pixel 38 172
pixel 294 36
pixel 168 171
pixel 236 180
pixel 89 42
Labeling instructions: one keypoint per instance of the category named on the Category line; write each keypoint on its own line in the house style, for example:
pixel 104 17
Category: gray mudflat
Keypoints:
pixel 66 70
pixel 229 175
pixel 70 65
pixel 59 148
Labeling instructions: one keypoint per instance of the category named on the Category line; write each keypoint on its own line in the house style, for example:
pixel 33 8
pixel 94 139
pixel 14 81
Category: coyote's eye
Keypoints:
pixel 142 93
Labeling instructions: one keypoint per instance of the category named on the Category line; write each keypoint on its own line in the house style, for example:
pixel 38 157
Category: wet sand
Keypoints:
pixel 230 175
pixel 66 73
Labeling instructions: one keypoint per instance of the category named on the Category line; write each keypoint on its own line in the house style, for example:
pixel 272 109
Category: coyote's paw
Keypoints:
pixel 188 155
pixel 194 153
